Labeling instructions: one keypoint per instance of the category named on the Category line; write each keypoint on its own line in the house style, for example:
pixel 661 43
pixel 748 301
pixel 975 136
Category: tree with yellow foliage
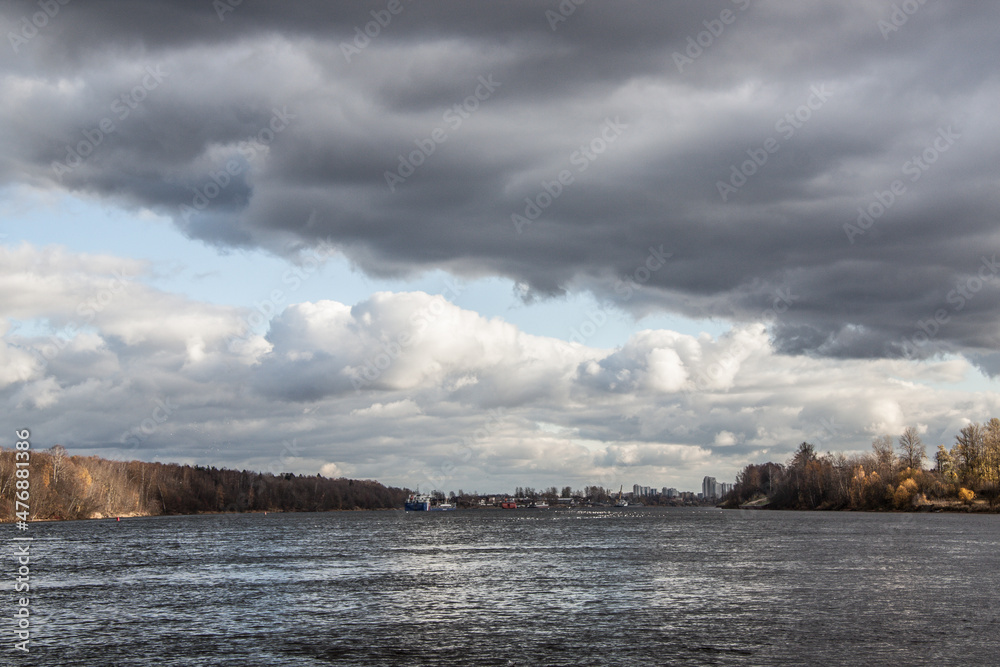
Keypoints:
pixel 944 463
pixel 903 496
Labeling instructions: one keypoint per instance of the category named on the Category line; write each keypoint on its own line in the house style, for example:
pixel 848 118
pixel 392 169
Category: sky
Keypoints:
pixel 479 245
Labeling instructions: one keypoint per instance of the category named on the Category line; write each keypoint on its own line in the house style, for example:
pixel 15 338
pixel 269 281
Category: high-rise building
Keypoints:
pixel 709 488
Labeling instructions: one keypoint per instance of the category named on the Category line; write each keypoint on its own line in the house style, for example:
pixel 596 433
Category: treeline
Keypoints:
pixel 888 477
pixel 78 487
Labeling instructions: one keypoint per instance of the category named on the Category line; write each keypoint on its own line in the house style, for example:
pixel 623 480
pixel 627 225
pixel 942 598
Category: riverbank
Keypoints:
pixel 977 506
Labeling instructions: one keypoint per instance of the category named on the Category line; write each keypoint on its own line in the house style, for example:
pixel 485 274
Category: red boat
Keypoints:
pixel 508 505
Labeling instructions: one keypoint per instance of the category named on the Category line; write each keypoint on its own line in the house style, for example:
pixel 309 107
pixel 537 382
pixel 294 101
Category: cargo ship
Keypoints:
pixel 422 503
pixel 417 503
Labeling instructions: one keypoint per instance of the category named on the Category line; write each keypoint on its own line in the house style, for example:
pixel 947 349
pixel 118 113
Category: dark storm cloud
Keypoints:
pixel 839 102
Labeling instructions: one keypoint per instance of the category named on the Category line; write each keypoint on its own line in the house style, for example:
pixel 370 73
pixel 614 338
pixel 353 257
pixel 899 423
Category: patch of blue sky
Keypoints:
pixel 244 278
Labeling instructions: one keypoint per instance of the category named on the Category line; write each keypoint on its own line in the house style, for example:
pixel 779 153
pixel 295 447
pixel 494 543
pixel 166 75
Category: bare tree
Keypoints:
pixel 885 457
pixel 991 450
pixel 969 452
pixel 911 448
pixel 58 454
pixel 7 481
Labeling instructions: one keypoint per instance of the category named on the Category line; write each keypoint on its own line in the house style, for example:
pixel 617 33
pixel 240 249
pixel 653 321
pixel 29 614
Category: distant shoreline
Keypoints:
pixel 133 515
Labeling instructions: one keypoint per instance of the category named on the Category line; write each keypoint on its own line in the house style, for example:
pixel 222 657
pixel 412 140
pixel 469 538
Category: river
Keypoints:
pixel 635 586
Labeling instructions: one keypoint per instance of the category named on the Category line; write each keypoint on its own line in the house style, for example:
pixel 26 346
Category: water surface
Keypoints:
pixel 521 587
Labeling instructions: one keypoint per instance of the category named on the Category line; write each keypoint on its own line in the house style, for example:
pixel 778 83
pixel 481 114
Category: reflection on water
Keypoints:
pixel 521 587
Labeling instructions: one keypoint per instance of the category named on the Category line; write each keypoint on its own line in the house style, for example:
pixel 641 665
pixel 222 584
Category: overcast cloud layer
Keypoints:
pixel 828 169
pixel 886 96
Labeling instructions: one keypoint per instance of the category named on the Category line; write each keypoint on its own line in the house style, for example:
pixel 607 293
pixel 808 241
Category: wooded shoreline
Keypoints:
pixel 965 478
pixel 64 487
